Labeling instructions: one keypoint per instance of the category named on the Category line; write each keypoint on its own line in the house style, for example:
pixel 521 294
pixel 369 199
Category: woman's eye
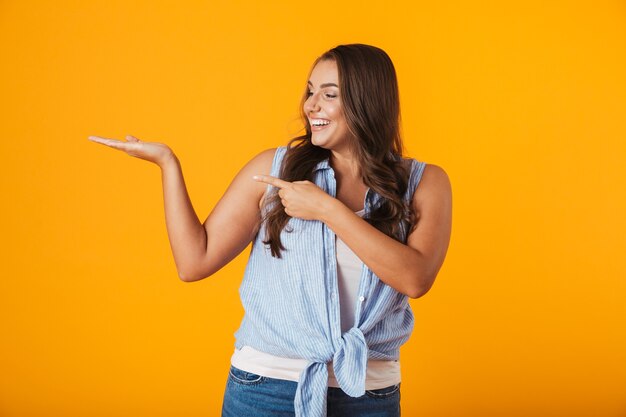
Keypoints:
pixel 310 93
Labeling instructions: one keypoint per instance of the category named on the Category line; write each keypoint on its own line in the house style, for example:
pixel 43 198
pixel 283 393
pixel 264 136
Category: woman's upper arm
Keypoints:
pixel 231 225
pixel 432 201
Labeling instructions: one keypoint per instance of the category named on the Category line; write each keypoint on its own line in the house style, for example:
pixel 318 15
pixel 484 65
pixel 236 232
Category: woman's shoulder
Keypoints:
pixel 434 183
pixel 264 158
pixel 414 164
pixel 426 177
pixel 260 164
pixel 267 153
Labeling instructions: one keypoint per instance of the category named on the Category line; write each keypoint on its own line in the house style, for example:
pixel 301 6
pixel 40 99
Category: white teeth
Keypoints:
pixel 319 122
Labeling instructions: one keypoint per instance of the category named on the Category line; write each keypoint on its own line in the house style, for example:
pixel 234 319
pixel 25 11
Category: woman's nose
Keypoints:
pixel 311 105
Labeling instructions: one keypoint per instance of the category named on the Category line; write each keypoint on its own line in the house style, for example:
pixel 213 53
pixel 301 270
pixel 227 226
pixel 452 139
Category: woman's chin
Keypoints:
pixel 319 140
pixel 316 141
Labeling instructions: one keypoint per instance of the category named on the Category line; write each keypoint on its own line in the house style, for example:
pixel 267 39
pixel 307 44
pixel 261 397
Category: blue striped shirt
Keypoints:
pixel 291 305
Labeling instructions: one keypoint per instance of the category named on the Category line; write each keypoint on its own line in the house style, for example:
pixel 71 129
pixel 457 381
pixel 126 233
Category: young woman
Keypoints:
pixel 341 237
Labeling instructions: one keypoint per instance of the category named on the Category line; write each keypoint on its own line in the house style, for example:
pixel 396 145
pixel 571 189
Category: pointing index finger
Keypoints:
pixel 277 182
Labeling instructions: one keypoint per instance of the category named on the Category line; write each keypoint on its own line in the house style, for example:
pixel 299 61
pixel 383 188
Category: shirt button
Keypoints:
pixel 361 298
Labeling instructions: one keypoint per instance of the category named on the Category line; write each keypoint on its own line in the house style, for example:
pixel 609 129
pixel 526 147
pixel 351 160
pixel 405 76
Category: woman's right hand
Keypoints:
pixel 158 153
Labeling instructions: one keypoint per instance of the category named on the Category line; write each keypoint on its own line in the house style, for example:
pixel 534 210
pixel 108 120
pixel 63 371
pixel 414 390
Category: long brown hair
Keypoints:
pixel 368 90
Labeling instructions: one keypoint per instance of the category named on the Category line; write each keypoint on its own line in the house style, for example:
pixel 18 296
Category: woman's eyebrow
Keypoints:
pixel 324 85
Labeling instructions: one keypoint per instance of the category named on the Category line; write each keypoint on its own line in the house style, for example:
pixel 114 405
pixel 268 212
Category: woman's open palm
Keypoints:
pixel 155 152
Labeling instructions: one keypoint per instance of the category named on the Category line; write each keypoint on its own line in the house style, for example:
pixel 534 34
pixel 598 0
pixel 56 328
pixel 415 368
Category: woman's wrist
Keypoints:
pixel 331 210
pixel 168 160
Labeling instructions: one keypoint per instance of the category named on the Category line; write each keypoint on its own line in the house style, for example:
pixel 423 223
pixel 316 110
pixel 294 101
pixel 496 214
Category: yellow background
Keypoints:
pixel 522 103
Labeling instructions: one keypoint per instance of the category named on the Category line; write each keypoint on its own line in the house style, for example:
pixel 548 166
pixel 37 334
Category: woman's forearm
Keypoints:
pixel 186 233
pixel 396 264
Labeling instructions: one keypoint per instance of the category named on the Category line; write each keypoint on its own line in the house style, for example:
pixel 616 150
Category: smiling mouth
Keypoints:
pixel 318 128
pixel 318 124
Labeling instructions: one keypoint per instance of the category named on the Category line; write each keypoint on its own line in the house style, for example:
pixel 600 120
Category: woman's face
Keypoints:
pixel 323 107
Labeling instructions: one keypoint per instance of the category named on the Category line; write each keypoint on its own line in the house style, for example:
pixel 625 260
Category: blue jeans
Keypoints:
pixel 252 395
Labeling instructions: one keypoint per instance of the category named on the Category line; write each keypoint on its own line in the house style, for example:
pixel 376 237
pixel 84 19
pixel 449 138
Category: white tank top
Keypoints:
pixel 379 374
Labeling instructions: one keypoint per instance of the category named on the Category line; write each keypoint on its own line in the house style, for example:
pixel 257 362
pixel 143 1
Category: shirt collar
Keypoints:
pixel 369 195
pixel 323 164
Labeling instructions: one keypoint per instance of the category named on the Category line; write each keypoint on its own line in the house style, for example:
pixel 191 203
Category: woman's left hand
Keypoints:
pixel 302 199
